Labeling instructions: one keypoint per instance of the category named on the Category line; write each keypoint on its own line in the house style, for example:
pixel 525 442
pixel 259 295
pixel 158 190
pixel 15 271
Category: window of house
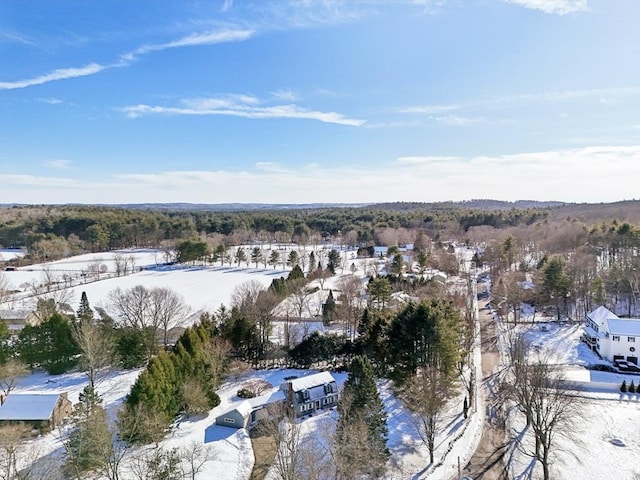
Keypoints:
pixel 615 338
pixel 631 339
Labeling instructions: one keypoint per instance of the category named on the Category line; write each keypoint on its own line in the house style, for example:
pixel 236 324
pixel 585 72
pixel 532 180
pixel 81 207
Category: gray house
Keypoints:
pixel 241 416
pixel 311 393
pixel 248 412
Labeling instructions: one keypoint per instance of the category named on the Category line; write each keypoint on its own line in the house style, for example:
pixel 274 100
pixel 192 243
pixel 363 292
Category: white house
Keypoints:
pixel 612 337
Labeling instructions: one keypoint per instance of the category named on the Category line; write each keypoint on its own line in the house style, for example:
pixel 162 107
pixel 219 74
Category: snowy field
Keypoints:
pixel 7 254
pixel 203 288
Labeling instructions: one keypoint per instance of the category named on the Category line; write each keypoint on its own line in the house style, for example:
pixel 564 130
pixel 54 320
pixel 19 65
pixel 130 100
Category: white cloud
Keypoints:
pixel 58 163
pixel 51 101
pixel 591 174
pixel 195 39
pixel 510 100
pixel 458 121
pixel 557 7
pixel 240 106
pixel 58 74
pixel 286 95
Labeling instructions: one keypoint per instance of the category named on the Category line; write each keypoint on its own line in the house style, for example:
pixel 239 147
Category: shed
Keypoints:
pixel 42 410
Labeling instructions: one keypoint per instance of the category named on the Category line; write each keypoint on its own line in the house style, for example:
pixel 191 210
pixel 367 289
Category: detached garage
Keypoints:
pixel 240 417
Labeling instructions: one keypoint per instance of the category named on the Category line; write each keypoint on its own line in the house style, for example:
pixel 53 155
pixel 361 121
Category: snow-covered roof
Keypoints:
pixel 266 399
pixel 244 408
pixel 601 314
pixel 7 314
pixel 310 381
pixel 592 333
pixel 624 326
pixel 28 406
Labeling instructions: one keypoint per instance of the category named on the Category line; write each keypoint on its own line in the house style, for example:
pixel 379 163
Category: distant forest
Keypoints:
pixel 50 232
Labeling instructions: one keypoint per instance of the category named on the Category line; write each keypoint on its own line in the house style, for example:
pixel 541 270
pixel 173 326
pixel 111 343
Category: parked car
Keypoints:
pixel 626 366
pixel 602 367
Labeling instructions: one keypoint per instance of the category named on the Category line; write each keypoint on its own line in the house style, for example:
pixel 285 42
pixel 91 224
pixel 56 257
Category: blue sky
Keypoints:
pixel 319 101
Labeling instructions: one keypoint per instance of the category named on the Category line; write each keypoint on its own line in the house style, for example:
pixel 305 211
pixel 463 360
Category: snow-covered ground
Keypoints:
pixel 7 254
pixel 588 455
pixel 607 414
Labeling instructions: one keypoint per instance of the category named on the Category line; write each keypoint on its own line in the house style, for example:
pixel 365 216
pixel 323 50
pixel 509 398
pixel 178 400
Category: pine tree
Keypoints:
pixel 623 387
pixel 329 309
pixel 632 387
pixel 84 310
pixel 90 443
pixel 312 262
pixel 361 413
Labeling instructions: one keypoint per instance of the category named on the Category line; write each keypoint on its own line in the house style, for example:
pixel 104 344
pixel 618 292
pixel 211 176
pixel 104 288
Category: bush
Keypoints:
pixel 245 393
pixel 632 387
pixel 623 387
pixel 638 388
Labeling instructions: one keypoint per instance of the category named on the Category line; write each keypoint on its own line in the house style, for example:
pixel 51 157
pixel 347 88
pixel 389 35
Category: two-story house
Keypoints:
pixel 612 337
pixel 306 395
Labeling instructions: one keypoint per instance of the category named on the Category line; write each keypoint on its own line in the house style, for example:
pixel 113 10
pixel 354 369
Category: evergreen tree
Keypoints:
pixel 426 334
pixel 360 403
pixel 397 265
pixel 256 255
pixel 379 290
pixel 623 387
pixel 293 259
pixel 90 443
pixel 329 309
pixel 632 387
pixel 333 261
pixel 50 345
pixel 295 274
pixel 274 258
pixel 312 262
pixel 84 311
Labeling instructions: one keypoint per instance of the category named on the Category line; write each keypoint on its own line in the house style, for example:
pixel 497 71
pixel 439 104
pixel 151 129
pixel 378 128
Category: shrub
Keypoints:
pixel 623 387
pixel 632 387
pixel 245 393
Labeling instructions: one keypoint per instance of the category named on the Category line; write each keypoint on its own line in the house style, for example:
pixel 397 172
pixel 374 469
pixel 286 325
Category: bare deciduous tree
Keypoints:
pixel 10 372
pixel 351 306
pixel 150 311
pixel 426 396
pixel 96 346
pixel 11 440
pixel 537 387
pixel 279 423
pixel 194 457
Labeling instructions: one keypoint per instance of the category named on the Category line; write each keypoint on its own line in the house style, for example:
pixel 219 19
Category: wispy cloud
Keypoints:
pixel 226 5
pixel 51 101
pixel 195 39
pixel 15 37
pixel 458 121
pixel 604 95
pixel 286 95
pixel 58 74
pixel 35 181
pixel 59 163
pixel 556 7
pixel 240 106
